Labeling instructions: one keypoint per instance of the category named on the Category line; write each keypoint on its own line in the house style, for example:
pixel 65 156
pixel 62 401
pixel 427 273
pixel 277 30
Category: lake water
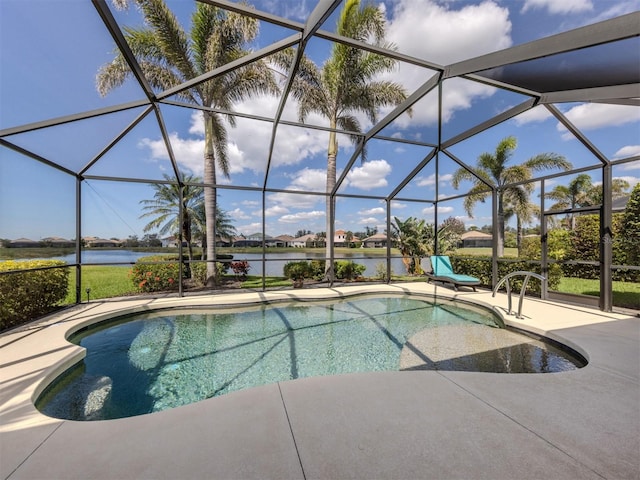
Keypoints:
pixel 273 264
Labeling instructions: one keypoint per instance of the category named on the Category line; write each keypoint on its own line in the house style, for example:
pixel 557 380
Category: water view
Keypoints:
pixel 273 265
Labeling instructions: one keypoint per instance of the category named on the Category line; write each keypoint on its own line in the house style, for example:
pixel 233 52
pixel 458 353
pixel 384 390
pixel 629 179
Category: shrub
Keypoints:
pixel 199 272
pixel 584 244
pixel 381 271
pixel 28 295
pixel 480 267
pixel 348 270
pixel 297 271
pixel 240 268
pixel 317 269
pixel 159 277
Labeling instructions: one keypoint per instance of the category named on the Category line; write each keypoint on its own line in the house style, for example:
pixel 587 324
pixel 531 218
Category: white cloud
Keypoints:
pixel 631 166
pixel 371 174
pixel 299 201
pixel 368 221
pixel 432 209
pixel 591 116
pixel 633 181
pixel 273 211
pixel 238 214
pixel 558 6
pixel 308 179
pixel 398 205
pixel 628 151
pixel 431 180
pixel 301 217
pixel 537 114
pixel 451 36
pixel 372 211
pixel 292 144
pixel 249 228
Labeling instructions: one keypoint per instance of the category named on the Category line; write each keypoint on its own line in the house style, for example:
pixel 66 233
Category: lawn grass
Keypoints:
pixel 625 294
pixel 104 282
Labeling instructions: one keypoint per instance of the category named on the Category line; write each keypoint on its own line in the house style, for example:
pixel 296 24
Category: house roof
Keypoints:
pixel 377 236
pixel 305 238
pixel 475 235
pixel 23 240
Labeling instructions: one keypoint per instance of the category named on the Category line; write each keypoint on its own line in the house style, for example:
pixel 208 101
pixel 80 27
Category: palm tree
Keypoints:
pixel 166 205
pixel 168 57
pixel 524 213
pixel 348 238
pixel 224 226
pixel 573 195
pixel 346 85
pixel 409 236
pixel 619 188
pixel 493 169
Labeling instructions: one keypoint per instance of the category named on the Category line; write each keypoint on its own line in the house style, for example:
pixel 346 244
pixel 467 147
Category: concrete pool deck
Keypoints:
pixel 580 424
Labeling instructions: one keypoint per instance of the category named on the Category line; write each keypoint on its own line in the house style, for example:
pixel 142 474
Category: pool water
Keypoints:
pixel 156 361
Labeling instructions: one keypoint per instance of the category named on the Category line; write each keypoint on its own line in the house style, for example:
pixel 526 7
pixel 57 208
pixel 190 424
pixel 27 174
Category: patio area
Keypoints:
pixel 411 424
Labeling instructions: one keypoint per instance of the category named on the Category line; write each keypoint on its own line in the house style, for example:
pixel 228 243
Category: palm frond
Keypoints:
pixel 170 35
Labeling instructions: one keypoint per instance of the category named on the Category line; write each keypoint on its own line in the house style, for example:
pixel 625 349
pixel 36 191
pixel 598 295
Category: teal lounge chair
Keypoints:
pixel 442 271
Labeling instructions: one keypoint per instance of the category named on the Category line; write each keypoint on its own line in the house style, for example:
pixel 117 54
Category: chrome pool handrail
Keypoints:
pixel 506 278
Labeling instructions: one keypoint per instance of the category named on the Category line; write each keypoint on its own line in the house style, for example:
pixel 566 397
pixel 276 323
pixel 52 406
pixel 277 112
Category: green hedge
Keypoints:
pixel 27 295
pixel 480 267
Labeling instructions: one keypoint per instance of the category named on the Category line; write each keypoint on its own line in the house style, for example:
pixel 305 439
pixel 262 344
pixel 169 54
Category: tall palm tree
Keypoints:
pixel 166 205
pixel 493 168
pixel 346 85
pixel 169 56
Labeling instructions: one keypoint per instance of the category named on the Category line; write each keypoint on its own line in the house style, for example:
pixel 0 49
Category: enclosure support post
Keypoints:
pixel 388 240
pixel 606 255
pixel 544 246
pixel 494 224
pixel 181 239
pixel 78 240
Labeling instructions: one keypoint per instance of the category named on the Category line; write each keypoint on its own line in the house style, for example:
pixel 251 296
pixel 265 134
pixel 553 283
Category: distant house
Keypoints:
pixel 170 242
pixel 284 240
pixel 57 242
pixel 255 240
pixel 475 239
pixel 23 243
pixel 340 239
pixel 93 242
pixel 379 240
pixel 309 240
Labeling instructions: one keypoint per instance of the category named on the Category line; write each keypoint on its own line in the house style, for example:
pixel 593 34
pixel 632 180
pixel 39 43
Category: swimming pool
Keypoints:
pixel 155 361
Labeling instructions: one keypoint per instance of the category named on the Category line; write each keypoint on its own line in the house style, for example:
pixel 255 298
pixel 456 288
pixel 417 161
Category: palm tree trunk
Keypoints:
pixel 210 200
pixel 331 183
pixel 186 232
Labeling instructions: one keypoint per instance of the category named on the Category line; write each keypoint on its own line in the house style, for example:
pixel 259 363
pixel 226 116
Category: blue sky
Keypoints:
pixel 50 52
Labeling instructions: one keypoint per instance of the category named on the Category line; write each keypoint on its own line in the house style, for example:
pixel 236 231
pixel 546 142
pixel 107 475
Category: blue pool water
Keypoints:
pixel 156 361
